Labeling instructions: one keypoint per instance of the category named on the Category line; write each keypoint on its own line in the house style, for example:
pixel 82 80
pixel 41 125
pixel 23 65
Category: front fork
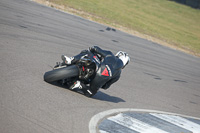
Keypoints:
pixel 59 65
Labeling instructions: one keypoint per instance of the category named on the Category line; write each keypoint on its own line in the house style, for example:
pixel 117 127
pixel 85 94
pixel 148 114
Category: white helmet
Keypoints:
pixel 123 56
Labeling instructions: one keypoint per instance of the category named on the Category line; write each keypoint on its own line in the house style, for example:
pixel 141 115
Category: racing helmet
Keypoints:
pixel 123 56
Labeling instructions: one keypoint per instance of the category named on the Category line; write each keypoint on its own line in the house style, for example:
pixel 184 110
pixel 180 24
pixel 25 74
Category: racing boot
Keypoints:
pixel 81 88
pixel 77 87
pixel 67 60
pixel 76 84
pixel 85 89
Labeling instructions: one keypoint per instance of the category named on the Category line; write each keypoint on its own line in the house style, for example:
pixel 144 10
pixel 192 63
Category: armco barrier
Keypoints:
pixel 192 3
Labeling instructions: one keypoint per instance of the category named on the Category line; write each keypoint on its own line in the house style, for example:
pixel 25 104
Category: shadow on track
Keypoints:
pixel 105 97
pixel 99 96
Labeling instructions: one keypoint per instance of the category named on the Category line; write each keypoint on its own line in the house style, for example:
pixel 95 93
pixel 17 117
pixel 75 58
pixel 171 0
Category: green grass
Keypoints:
pixel 169 21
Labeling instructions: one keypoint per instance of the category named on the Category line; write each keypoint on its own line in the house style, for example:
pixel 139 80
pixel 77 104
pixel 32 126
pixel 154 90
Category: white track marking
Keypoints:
pixel 101 131
pixel 179 121
pixel 93 124
pixel 135 124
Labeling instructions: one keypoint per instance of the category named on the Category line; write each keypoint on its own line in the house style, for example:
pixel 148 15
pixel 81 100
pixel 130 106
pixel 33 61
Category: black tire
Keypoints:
pixel 62 73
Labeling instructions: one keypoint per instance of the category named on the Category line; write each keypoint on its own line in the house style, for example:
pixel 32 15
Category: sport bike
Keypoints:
pixel 83 70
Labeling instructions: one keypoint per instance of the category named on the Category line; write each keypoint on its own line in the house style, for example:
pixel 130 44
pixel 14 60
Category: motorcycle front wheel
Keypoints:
pixel 62 73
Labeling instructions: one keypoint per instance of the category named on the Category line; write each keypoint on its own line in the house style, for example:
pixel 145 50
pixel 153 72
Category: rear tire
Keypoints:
pixel 62 73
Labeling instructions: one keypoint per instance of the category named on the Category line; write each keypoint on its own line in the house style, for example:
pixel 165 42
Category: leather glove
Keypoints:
pixel 92 49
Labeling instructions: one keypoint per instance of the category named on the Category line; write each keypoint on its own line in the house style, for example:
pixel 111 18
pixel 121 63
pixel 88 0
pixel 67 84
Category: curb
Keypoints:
pixel 95 120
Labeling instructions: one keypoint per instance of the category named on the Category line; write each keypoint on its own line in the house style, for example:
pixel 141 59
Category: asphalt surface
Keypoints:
pixel 32 39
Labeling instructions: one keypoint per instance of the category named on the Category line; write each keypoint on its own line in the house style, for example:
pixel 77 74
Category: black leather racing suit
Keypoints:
pixel 108 72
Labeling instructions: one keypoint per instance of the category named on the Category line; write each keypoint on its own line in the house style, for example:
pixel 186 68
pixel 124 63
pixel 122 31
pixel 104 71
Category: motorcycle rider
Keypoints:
pixel 109 73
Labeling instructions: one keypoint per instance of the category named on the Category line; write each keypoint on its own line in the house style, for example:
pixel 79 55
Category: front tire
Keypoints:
pixel 62 73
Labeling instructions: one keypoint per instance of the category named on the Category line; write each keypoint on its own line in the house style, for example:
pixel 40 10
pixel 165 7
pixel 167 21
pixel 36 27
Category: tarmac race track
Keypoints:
pixel 32 39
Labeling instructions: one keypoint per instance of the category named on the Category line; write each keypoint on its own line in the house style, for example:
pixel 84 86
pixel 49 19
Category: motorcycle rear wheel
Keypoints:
pixel 62 73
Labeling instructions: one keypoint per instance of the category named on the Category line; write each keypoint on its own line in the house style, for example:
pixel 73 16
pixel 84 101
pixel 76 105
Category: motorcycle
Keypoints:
pixel 84 70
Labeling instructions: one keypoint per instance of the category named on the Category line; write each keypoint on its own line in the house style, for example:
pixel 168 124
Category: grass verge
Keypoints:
pixel 162 21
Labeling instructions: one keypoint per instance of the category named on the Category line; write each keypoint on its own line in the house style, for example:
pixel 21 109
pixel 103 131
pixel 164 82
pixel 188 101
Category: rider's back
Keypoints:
pixel 109 71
